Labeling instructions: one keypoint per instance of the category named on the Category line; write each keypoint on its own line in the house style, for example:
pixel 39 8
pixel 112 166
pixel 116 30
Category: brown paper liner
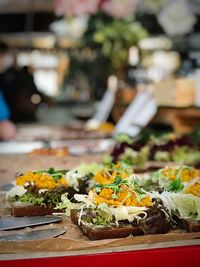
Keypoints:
pixel 73 239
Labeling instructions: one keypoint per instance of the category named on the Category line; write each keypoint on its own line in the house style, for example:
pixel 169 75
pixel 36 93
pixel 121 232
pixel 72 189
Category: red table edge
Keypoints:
pixel 183 256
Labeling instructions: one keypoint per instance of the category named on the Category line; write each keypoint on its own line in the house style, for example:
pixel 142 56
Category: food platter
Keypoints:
pixel 73 247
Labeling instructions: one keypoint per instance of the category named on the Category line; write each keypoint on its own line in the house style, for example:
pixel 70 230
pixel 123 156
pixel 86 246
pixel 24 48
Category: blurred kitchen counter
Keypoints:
pixel 182 119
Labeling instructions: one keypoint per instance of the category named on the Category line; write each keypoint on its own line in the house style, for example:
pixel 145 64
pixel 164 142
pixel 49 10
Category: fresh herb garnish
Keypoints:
pixel 176 185
pixel 126 164
pixel 56 174
pixel 116 186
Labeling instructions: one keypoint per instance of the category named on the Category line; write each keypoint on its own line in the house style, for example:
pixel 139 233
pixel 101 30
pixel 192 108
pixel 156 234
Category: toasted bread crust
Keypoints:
pixel 31 210
pixel 190 226
pixel 105 232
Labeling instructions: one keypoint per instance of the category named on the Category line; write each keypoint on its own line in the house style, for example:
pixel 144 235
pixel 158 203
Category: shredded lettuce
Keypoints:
pixel 107 159
pixel 185 155
pixel 186 205
pixel 162 139
pixel 162 156
pixel 103 215
pixel 84 169
pixel 16 191
pixel 129 213
pixel 137 158
pixel 164 183
pixel 67 205
pixel 124 138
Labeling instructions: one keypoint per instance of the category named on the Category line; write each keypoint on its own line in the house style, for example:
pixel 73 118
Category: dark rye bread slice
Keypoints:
pixel 26 209
pixel 189 225
pixel 104 232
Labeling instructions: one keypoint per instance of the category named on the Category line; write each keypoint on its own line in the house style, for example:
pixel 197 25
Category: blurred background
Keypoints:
pixel 63 55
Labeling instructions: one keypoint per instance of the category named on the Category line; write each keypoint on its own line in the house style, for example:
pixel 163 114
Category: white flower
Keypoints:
pixel 176 18
pixel 72 28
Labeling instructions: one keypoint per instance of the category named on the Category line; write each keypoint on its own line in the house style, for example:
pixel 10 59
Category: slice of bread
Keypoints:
pixel 25 209
pixel 94 232
pixel 188 225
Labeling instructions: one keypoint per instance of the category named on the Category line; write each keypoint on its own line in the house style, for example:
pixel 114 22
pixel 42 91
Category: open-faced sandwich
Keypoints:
pixel 122 204
pixel 117 207
pixel 152 152
pixel 39 192
pixel 179 189
pixel 173 179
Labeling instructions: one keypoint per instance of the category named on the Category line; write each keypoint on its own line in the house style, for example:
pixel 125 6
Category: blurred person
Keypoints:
pixel 7 128
pixel 18 88
pixel 25 97
pixel 6 59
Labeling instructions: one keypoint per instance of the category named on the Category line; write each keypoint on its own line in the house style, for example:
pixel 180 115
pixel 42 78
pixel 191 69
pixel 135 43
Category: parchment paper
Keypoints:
pixel 74 240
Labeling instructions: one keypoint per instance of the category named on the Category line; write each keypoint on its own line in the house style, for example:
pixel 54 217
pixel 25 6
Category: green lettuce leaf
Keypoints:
pixel 186 205
pixel 84 169
pixel 30 198
pixel 67 205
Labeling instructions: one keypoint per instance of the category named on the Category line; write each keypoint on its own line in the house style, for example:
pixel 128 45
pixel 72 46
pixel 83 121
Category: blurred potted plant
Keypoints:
pixel 114 38
pixel 105 47
pixel 109 30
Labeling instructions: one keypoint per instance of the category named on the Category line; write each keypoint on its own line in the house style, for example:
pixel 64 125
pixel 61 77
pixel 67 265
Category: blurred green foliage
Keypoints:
pixel 103 51
pixel 116 37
